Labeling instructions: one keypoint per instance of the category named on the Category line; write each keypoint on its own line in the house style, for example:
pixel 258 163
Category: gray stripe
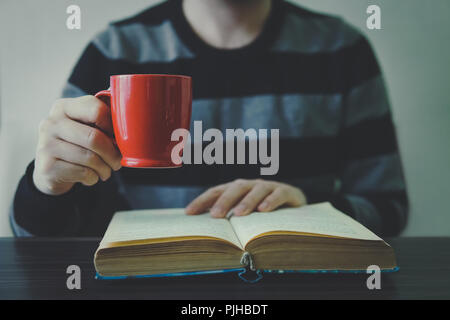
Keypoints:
pixel 313 35
pixel 376 174
pixel 138 43
pixel 295 115
pixel 366 101
pixel 72 91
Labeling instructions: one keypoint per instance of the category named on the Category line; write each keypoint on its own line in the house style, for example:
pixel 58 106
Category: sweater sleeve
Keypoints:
pixel 83 211
pixel 35 213
pixel 371 185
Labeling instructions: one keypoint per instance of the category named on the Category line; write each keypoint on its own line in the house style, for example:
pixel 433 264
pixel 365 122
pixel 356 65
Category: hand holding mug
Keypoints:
pixel 76 141
pixel 75 144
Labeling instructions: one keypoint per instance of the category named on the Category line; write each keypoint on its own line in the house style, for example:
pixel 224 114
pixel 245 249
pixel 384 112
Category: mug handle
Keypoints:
pixel 105 96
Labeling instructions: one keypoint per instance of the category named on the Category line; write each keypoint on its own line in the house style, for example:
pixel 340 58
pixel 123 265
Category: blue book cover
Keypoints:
pixel 242 273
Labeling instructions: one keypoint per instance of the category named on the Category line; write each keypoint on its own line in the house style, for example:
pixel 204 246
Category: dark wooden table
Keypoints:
pixel 36 269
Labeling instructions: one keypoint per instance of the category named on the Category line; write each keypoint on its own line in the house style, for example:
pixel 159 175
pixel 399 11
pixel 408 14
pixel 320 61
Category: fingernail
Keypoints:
pixel 190 210
pixel 240 210
pixel 263 205
pixel 216 212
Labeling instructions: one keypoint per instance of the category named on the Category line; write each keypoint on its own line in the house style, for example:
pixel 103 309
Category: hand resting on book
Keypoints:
pixel 245 196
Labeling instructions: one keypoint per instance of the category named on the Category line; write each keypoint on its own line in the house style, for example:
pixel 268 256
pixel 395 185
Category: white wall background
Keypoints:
pixel 38 52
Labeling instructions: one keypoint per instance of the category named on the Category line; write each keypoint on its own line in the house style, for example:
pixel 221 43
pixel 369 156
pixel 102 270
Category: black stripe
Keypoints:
pixel 298 158
pixel 92 71
pixel 393 220
pixel 392 207
pixel 369 138
pixel 244 75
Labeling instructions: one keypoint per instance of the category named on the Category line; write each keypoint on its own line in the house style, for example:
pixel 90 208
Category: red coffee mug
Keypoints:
pixel 145 110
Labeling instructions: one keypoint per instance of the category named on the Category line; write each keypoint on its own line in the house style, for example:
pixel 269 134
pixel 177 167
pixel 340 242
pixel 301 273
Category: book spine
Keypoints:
pixel 247 261
pixel 252 276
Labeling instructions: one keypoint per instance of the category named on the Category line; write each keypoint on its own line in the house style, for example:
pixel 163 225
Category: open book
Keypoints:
pixel 164 241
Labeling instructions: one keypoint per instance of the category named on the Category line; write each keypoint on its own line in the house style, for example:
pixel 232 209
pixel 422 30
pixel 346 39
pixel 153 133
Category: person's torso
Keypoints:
pixel 292 78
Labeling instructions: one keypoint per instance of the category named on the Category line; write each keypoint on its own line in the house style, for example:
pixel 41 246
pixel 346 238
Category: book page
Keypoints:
pixel 166 223
pixel 320 218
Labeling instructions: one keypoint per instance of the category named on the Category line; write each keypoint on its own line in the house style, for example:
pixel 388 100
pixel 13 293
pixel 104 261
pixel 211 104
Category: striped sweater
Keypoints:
pixel 312 76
